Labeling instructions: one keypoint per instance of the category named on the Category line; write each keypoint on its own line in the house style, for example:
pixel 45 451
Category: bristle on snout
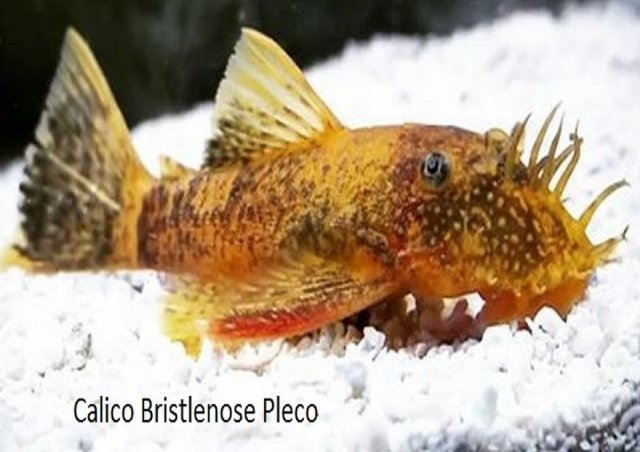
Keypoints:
pixel 541 171
pixel 585 217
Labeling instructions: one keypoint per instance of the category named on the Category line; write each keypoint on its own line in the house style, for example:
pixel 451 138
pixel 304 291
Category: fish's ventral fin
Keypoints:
pixel 281 300
pixel 264 103
pixel 81 172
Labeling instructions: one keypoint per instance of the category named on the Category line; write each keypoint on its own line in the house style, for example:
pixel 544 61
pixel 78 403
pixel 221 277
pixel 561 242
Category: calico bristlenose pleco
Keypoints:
pixel 295 221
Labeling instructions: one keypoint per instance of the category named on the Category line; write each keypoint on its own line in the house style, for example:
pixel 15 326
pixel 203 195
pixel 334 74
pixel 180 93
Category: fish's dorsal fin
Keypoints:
pixel 263 104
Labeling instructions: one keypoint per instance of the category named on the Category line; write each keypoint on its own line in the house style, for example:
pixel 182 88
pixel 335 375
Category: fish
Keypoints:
pixel 295 221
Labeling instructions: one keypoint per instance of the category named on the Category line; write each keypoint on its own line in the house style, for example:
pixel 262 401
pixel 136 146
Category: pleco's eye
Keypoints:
pixel 435 168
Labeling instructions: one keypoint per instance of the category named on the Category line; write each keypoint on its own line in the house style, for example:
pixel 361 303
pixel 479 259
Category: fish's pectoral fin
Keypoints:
pixel 172 170
pixel 281 300
pixel 263 104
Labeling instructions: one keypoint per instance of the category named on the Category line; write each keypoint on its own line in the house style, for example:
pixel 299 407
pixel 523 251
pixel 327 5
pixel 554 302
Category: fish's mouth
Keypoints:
pixel 540 172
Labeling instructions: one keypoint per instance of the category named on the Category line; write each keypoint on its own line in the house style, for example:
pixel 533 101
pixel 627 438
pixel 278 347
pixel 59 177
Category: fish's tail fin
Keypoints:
pixel 83 183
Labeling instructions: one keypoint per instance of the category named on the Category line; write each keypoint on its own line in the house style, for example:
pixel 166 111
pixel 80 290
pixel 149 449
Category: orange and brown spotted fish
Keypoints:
pixel 294 220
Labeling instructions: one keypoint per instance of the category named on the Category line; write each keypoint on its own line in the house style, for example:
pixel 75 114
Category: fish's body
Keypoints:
pixel 247 213
pixel 346 188
pixel 295 221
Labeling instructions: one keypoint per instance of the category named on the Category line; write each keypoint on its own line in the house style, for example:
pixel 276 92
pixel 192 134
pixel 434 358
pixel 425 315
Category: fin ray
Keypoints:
pixel 81 170
pixel 287 298
pixel 263 104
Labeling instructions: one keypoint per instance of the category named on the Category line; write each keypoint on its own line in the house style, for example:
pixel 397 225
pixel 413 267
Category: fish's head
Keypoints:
pixel 476 218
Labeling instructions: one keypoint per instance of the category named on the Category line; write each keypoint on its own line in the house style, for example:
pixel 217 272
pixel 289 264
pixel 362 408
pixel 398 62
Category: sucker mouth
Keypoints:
pixel 541 172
